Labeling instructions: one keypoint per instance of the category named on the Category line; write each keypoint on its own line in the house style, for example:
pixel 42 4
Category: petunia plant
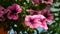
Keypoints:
pixel 25 15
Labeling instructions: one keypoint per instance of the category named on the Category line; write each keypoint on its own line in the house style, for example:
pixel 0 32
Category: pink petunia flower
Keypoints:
pixel 1 11
pixel 47 1
pixel 35 21
pixel 13 12
pixel 46 13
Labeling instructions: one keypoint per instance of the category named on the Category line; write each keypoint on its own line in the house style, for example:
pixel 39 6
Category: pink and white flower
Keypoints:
pixel 13 12
pixel 35 21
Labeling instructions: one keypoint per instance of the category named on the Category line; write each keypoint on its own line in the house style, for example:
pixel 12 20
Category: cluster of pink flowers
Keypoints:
pixel 11 11
pixel 36 18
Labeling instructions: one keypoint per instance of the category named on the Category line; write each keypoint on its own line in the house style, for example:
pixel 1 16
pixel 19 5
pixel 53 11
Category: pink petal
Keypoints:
pixel 18 8
pixel 1 8
pixel 44 25
pixel 9 16
pixel 12 16
pixel 15 17
pixel 10 8
pixel 1 13
pixel 50 17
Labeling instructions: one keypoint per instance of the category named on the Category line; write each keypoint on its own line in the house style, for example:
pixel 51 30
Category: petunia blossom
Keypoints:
pixel 1 11
pixel 13 12
pixel 47 14
pixel 35 21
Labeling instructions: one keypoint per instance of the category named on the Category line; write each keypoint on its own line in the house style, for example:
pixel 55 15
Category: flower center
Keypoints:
pixel 0 17
pixel 45 0
pixel 46 15
pixel 14 12
pixel 32 21
pixel 2 9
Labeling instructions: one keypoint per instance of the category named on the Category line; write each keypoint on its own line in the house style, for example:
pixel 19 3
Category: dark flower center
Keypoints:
pixel 14 12
pixel 32 21
pixel 45 15
pixel 2 9
pixel 0 17
pixel 45 0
